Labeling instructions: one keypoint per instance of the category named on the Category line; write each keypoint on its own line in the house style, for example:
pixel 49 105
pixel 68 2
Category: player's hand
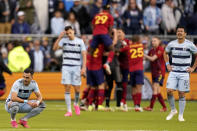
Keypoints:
pixel 169 67
pixel 62 34
pixel 32 104
pixel 190 70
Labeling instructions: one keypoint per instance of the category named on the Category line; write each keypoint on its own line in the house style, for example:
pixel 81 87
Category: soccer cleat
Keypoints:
pixel 14 124
pixel 101 108
pixel 90 108
pixel 107 68
pixel 123 107
pixel 148 108
pixel 180 118
pixel 138 109
pixel 77 110
pixel 68 114
pixel 23 123
pixel 172 113
pixel 164 109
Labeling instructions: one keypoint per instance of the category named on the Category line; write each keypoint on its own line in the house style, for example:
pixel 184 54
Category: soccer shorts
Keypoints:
pixel 136 78
pixel 97 39
pixel 125 73
pixel 95 77
pixel 71 75
pixel 158 79
pixel 178 81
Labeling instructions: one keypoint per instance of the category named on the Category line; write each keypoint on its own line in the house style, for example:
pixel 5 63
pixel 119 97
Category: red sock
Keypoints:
pixel 152 102
pixel 124 92
pixel 139 97
pixel 101 96
pixel 2 92
pixel 85 93
pixel 160 98
pixel 91 96
pixel 134 99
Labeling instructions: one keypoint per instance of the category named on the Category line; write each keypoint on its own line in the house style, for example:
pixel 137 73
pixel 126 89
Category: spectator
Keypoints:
pixel 168 18
pixel 7 10
pixel 71 21
pixel 95 8
pixel 28 8
pixel 152 18
pixel 61 8
pixel 57 23
pixel 115 10
pixel 82 16
pixel 20 26
pixel 132 19
pixel 37 56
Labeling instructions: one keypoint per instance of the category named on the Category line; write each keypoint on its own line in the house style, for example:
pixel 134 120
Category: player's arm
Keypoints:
pixel 15 98
pixel 166 58
pixel 83 70
pixel 193 49
pixel 56 44
pixel 39 97
pixel 115 37
pixel 151 58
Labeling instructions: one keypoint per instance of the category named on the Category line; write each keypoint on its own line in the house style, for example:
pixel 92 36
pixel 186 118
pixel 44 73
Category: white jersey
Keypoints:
pixel 181 54
pixel 72 50
pixel 23 91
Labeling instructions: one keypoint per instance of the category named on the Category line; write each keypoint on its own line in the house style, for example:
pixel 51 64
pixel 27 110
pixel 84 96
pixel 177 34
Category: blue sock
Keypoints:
pixel 182 104
pixel 76 97
pixel 171 101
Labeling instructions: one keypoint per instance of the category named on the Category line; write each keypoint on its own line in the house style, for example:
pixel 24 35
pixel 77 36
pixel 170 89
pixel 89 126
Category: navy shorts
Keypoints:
pixel 97 39
pixel 125 73
pixel 95 77
pixel 158 79
pixel 136 78
pixel 2 85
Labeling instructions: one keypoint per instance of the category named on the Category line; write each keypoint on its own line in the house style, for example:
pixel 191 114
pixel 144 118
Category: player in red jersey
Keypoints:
pixel 124 67
pixel 155 56
pixel 135 55
pixel 102 29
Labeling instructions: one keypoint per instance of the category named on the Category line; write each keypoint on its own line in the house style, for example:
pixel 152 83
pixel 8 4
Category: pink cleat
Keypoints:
pixel 23 123
pixel 68 114
pixel 77 110
pixel 14 124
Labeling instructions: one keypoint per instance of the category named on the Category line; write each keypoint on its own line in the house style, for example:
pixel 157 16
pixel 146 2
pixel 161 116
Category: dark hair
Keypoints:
pixel 135 38
pixel 68 28
pixel 181 26
pixel 106 7
pixel 29 70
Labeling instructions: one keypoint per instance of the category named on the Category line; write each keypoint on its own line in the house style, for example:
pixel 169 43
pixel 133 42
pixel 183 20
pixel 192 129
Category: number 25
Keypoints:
pixel 137 52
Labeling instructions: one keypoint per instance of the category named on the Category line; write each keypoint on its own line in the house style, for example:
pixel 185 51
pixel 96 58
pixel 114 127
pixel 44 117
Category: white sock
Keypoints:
pixel 68 101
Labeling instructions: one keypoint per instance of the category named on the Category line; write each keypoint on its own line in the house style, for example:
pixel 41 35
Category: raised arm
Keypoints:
pixel 56 44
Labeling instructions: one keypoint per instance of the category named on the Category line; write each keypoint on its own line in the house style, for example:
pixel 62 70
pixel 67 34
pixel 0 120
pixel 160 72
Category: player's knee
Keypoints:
pixel 14 107
pixel 42 105
pixel 169 92
pixel 181 94
pixel 2 92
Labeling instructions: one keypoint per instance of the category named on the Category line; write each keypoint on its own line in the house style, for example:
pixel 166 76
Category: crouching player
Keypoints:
pixel 17 101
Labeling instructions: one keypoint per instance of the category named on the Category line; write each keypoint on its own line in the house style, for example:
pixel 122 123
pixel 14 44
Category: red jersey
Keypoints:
pixel 101 23
pixel 135 54
pixel 95 61
pixel 158 66
pixel 123 57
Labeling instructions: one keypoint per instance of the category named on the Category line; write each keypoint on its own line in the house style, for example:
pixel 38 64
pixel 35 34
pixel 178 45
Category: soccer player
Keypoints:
pixel 179 77
pixel 102 29
pixel 17 101
pixel 155 56
pixel 74 51
pixel 124 66
pixel 3 68
pixel 135 54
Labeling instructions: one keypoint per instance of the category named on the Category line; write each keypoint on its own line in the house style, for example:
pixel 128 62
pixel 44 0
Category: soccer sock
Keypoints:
pixel 160 98
pixel 182 104
pixel 101 96
pixel 68 101
pixel 76 98
pixel 171 101
pixel 124 92
pixel 152 102
pixel 138 98
pixel 13 111
pixel 85 93
pixel 118 94
pixel 134 99
pixel 91 96
pixel 107 97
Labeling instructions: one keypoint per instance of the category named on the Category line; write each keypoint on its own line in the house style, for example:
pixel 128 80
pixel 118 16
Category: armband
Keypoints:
pixel 167 63
pixel 37 102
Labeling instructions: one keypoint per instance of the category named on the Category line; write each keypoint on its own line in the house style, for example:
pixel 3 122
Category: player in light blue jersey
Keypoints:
pixel 17 101
pixel 73 65
pixel 181 51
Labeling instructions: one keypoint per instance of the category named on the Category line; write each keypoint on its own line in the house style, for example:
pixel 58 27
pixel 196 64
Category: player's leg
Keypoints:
pixel 171 86
pixel 31 112
pixel 94 44
pixel 101 96
pixel 125 73
pixel 184 87
pixel 107 41
pixel 108 89
pixel 118 80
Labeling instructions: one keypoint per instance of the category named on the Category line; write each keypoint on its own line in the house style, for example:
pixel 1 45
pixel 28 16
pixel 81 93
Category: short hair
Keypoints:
pixel 29 70
pixel 106 7
pixel 68 28
pixel 135 38
pixel 181 26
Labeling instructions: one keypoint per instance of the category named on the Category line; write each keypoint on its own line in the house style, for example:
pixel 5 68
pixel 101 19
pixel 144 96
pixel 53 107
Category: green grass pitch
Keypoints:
pixel 52 119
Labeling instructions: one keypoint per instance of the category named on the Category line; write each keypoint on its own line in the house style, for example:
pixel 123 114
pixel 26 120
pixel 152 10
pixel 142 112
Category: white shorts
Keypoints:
pixel 178 81
pixel 71 75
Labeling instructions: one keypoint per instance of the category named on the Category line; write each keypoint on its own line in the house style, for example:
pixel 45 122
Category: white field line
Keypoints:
pixel 58 129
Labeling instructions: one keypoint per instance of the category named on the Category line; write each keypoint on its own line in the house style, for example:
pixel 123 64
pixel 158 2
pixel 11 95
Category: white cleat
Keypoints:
pixel 180 118
pixel 138 109
pixel 172 113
